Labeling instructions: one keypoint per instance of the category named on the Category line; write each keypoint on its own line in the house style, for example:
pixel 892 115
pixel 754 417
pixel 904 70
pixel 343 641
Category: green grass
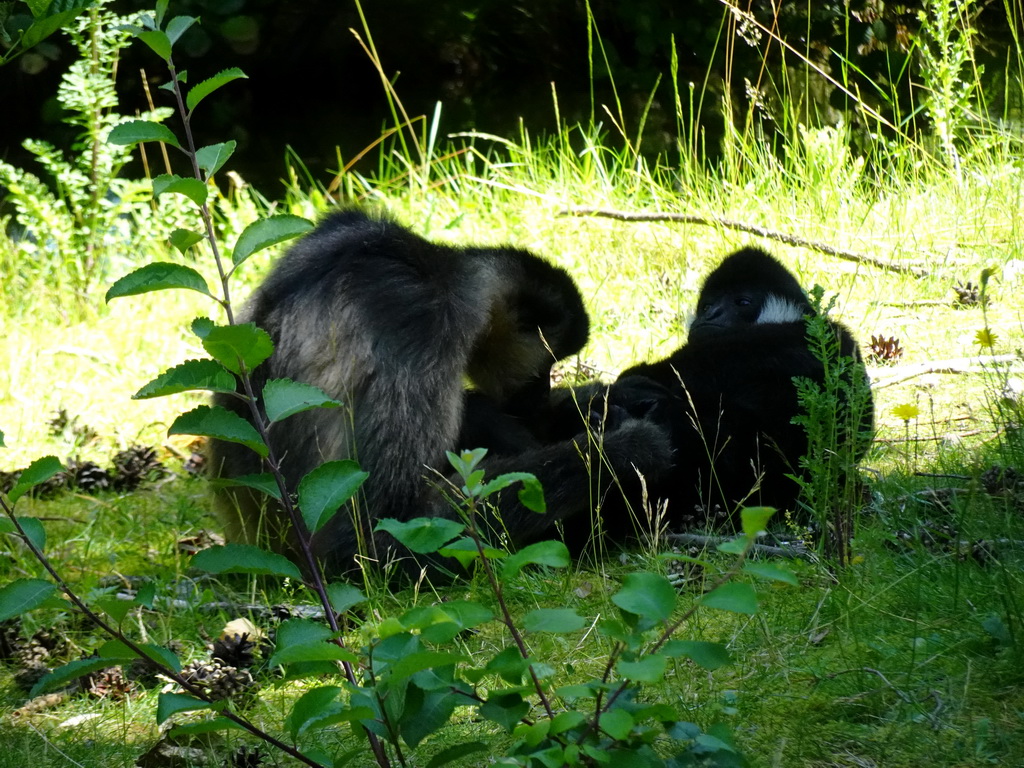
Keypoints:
pixel 911 656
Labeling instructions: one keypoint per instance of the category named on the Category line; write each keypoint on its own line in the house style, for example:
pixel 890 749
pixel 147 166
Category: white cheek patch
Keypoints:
pixel 779 310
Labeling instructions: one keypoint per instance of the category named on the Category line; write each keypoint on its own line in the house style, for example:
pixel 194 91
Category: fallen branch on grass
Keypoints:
pixel 739 226
pixel 953 365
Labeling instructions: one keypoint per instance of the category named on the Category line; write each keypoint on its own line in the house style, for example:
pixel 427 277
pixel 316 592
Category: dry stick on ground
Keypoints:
pixel 770 234
pixel 953 365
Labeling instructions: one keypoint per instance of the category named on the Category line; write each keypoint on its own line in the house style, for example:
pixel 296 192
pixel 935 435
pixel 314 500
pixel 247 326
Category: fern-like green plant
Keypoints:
pixel 73 226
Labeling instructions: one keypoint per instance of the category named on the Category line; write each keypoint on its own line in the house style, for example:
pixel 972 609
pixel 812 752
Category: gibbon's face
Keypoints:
pixel 742 308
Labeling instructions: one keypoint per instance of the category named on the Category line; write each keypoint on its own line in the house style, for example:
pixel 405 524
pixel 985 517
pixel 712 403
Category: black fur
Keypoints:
pixel 728 393
pixel 392 325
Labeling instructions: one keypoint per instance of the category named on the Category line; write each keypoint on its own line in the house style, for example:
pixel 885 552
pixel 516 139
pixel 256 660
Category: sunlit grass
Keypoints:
pixel 895 661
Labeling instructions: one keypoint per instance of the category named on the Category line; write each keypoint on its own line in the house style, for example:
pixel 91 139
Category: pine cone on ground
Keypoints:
pixel 218 680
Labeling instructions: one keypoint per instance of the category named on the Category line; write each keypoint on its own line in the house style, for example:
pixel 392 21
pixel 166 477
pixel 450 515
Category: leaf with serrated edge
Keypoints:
pixel 772 572
pixel 183 239
pixel 326 488
pixel 212 158
pixel 267 232
pixel 207 375
pixel 39 471
pixel 171 703
pixel 137 131
pixel 177 26
pixel 553 554
pixel 23 595
pixel 421 534
pixel 649 595
pixel 221 424
pixel 193 189
pixel 230 343
pixel 283 398
pixel 71 671
pixel 35 531
pixel 245 558
pixel 158 42
pixel 734 597
pixel 200 91
pixel 558 620
pixel 263 482
pixel 158 276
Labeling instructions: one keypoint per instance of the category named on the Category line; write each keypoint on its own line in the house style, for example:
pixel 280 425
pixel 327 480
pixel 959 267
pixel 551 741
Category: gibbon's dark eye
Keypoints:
pixel 742 301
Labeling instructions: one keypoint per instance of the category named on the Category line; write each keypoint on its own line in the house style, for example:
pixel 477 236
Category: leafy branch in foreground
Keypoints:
pixel 407 678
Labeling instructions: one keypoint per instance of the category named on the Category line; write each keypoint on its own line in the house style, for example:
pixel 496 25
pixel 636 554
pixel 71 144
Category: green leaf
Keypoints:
pixel 650 669
pixel 200 91
pixel 465 462
pixel 115 649
pixel 207 375
pixel 310 706
pixel 2 443
pixel 456 752
pixel 707 655
pixel 264 233
pixel 146 595
pixel 171 703
pixel 648 595
pixel 772 572
pixel 183 239
pixel 509 664
pixel 505 709
pixel 22 596
pixel 202 726
pixel 302 632
pixel 422 534
pixel 320 708
pixel 231 343
pixel 323 490
pixel 177 26
pixel 40 470
pixel 322 651
pixel 61 676
pixel 736 546
pixel 464 550
pixel 115 608
pixel 283 398
pixel 33 529
pixel 617 723
pixel 136 131
pixel 565 721
pixel 734 597
pixel 343 596
pixel 212 158
pixel 158 42
pixel 47 22
pixel 158 276
pixel 553 554
pixel 414 662
pixel 531 495
pixel 265 482
pixel 221 424
pixel 426 712
pixel 755 520
pixel 245 558
pixel 553 620
pixel 193 189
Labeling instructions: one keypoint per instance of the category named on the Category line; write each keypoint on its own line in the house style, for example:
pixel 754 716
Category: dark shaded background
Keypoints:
pixel 492 62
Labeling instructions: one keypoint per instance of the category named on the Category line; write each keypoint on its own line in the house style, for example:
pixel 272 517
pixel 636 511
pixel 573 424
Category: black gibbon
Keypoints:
pixel 728 395
pixel 394 326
